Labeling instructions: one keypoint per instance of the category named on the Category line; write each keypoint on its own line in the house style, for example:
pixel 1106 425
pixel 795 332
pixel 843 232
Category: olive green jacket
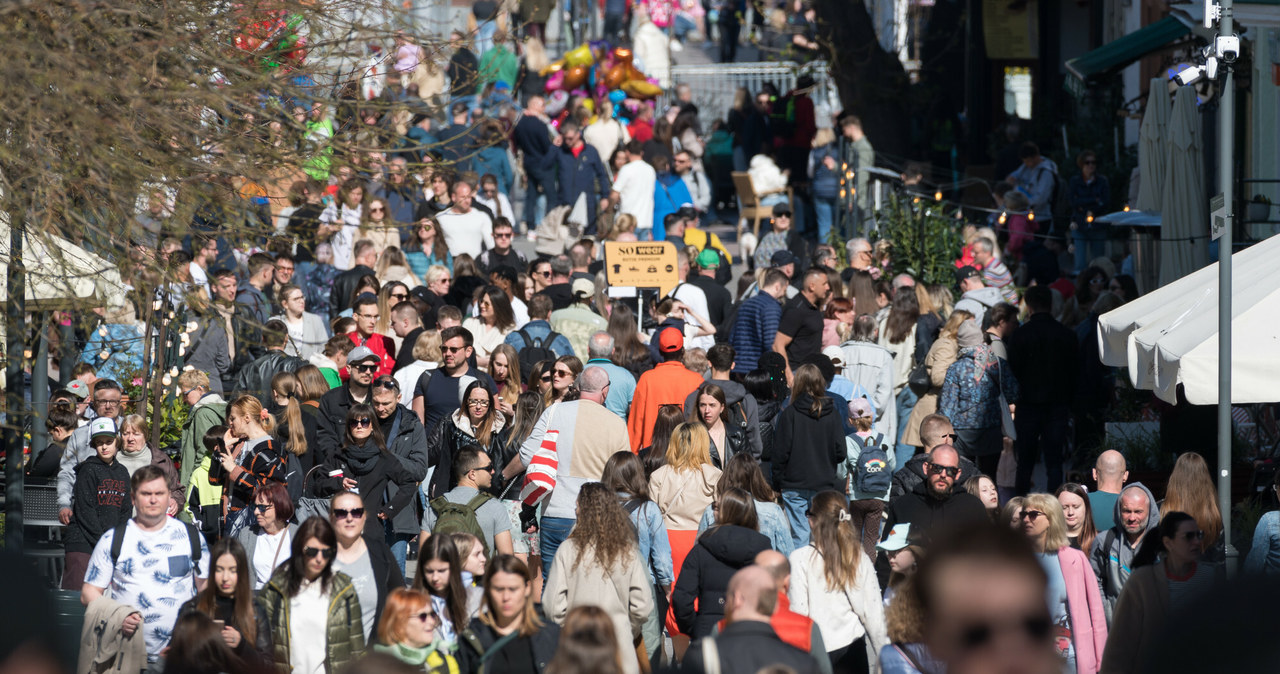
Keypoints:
pixel 345 631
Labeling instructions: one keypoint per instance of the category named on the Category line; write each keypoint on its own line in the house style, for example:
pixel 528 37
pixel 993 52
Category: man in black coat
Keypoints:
pixel 1043 357
pixel 255 377
pixel 361 364
pixel 936 502
pixel 407 441
pixel 748 642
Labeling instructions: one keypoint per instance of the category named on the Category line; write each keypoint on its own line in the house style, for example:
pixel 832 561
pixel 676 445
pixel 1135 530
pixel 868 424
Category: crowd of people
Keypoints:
pixel 410 446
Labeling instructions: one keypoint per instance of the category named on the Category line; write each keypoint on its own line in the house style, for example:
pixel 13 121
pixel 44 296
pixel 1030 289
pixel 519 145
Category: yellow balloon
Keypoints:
pixel 553 68
pixel 641 89
pixel 579 56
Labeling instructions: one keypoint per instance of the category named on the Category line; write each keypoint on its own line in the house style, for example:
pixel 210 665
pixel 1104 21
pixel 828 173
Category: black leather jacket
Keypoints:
pixel 255 378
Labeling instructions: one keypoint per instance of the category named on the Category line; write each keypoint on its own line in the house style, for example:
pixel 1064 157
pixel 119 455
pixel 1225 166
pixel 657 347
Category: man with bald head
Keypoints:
pixel 582 434
pixel 1111 557
pixel 936 502
pixel 747 643
pixel 622 384
pixel 1109 473
pixel 798 630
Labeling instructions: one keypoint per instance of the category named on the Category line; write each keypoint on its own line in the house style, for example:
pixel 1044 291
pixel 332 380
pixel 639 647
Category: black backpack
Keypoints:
pixel 535 351
pixel 873 473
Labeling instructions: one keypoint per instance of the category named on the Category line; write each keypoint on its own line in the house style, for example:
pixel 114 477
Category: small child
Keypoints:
pixel 204 500
pixel 101 500
pixel 867 507
pixel 62 420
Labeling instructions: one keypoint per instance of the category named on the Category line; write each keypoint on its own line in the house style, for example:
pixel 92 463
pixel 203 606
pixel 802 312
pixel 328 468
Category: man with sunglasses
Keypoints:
pixel 107 396
pixel 502 253
pixel 362 364
pixel 935 430
pixel 438 392
pixel 474 469
pixel 406 439
pixel 935 504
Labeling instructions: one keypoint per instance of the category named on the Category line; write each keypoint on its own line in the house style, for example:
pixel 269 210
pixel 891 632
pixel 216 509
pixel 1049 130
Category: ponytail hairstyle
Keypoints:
pixel 286 385
pixel 832 535
pixel 250 407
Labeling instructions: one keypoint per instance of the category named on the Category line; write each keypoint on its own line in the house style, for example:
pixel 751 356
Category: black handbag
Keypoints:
pixel 919 380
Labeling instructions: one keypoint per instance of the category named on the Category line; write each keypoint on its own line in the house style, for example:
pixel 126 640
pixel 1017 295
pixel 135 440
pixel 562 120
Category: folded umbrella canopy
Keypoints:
pixel 1170 336
pixel 1153 151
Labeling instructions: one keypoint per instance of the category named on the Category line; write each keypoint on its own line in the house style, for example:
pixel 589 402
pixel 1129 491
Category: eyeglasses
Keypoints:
pixel 452 349
pixel 386 383
pixel 1032 515
pixel 295 298
pixel 365 367
pixel 288 269
pixel 478 403
pixel 344 513
pixel 561 373
pixel 362 422
pixel 188 391
pixel 425 616
pixel 1192 535
pixel 327 553
pixel 107 402
pixel 488 469
pixel 262 507
pixel 977 635
pixel 950 471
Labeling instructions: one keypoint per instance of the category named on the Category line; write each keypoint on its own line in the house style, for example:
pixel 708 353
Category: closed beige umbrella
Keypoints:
pixel 1153 152
pixel 1184 232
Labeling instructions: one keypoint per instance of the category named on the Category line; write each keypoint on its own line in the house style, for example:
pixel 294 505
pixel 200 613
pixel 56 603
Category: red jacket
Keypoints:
pixel 667 383
pixel 793 628
pixel 380 345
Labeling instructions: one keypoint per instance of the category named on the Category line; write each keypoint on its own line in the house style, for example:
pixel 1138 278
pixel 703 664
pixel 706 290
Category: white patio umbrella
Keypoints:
pixel 1170 336
pixel 1184 231
pixel 1152 151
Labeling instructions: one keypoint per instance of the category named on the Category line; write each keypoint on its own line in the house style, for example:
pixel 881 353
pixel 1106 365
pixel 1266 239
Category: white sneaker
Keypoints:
pixel 532 235
pixel 676 46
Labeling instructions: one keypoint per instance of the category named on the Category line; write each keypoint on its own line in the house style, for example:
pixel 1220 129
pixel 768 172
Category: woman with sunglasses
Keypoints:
pixel 834 582
pixel 1075 600
pixel 267 540
pixel 509 635
pixel 1167 577
pixel 407 632
pixel 540 274
pixel 426 248
pixel 313 609
pixel 229 598
pixel 490 327
pixel 564 375
pixel 366 559
pixel 364 465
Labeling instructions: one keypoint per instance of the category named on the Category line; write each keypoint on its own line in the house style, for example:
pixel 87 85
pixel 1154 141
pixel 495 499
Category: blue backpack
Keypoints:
pixel 873 474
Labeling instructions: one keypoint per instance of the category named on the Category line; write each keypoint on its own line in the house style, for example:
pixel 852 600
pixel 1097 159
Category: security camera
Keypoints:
pixel 1189 76
pixel 1227 47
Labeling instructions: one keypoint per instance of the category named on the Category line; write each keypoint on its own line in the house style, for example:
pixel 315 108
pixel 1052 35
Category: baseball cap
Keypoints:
pixel 781 209
pixel 102 427
pixel 78 389
pixel 361 354
pixel 860 408
pixel 501 86
pixel 688 212
pixel 670 340
pixel 781 258
pixel 897 538
pixel 966 272
pixel 708 259
pixel 583 287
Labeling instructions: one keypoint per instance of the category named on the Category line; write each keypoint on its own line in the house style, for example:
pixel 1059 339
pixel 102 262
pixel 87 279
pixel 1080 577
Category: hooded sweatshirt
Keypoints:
pixel 978 301
pixel 734 393
pixel 102 500
pixel 1112 556
pixel 808 448
pixel 719 553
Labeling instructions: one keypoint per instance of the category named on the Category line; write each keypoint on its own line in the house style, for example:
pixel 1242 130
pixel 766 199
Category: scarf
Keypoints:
pixel 135 460
pixel 362 458
pixel 408 654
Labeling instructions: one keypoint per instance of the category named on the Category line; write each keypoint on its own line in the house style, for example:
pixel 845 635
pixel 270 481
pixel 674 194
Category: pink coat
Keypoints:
pixel 1084 603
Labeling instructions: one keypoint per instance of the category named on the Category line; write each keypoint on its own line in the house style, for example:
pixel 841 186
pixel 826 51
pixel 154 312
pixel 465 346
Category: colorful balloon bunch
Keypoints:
pixel 272 39
pixel 596 69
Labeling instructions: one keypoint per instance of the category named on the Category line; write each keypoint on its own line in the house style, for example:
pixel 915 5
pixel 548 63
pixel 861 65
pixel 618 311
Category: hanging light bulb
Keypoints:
pixel 1126 208
pixel 915 200
pixel 1031 217
pixel 173 371
pixel 166 380
pixel 959 214
pixel 192 326
pixel 102 331
pixel 937 196
pixel 1001 220
pixel 842 193
pixel 155 306
pixel 1088 217
pixel 182 350
pixel 103 355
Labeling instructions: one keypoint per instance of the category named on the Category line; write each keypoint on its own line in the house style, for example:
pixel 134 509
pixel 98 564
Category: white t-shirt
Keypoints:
pixel 501 206
pixel 693 296
pixel 153 574
pixel 470 232
pixel 308 628
pixel 344 240
pixel 635 184
pixel 200 278
pixel 271 550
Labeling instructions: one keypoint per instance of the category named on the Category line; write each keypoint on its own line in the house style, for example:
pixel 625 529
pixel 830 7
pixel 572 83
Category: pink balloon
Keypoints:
pixel 555 81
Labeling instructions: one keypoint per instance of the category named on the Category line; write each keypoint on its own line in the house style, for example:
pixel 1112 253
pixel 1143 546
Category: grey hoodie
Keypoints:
pixel 733 394
pixel 1112 556
pixel 978 301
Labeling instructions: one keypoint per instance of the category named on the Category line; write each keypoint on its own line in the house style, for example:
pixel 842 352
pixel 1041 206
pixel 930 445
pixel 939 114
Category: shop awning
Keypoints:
pixel 1117 54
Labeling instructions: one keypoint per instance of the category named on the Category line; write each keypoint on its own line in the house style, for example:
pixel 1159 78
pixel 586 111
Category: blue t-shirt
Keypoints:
pixel 1103 504
pixel 1056 596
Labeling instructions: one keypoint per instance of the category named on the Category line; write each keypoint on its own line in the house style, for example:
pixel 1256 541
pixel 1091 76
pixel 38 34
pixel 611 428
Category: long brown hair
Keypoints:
pixel 713 390
pixel 903 314
pixel 669 416
pixel 735 507
pixel 442 549
pixel 862 288
pixel 602 527
pixel 808 379
pixel 483 430
pixel 743 472
pixel 197 647
pixel 511 386
pixel 530 623
pixel 311 383
pixel 624 473
pixel 1089 530
pixel 361 411
pixel 242 598
pixel 628 350
pixel 1191 491
pixel 832 535
pixel 286 384
pixel 588 644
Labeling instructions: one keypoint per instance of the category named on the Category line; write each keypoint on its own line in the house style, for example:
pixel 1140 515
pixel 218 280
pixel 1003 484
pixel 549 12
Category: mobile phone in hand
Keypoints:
pixel 220 624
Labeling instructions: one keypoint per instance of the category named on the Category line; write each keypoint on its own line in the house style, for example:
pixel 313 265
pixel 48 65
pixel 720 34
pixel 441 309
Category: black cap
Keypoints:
pixel 966 272
pixel 782 258
pixel 781 209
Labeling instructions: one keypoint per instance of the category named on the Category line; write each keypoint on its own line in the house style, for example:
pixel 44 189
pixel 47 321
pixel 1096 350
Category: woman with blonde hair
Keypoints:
pixel 426 356
pixel 1075 600
pixel 600 564
pixel 251 458
pixel 834 583
pixel 942 300
pixel 944 352
pixel 683 488
pixel 1191 490
pixel 390 295
pixel 393 267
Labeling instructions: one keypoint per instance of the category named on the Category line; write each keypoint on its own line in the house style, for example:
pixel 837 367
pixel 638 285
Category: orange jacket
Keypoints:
pixel 666 383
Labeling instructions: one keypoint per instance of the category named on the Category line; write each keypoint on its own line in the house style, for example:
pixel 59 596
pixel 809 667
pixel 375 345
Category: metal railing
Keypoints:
pixel 715 84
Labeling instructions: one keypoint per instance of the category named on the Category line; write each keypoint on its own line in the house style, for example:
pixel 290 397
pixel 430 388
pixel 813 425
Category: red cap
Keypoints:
pixel 670 340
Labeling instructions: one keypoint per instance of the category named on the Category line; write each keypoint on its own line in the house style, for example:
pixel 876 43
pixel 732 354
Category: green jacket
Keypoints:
pixel 345 640
pixel 208 412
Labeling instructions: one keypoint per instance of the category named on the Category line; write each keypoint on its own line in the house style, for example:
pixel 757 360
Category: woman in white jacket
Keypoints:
pixel 834 583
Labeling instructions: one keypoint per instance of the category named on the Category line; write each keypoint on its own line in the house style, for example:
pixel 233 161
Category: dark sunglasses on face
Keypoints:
pixel 978 635
pixel 544 274
pixel 1192 535
pixel 365 367
pixel 362 422
pixel 452 349
pixel 488 469
pixel 426 615
pixel 327 553
pixel 400 296
pixel 262 507
pixel 502 235
pixel 950 471
pixel 343 513
pixel 1032 515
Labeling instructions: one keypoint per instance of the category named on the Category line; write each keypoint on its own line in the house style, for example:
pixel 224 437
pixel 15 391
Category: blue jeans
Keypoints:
pixel 399 544
pixel 825 211
pixel 553 531
pixel 541 182
pixel 1090 244
pixel 906 401
pixel 796 503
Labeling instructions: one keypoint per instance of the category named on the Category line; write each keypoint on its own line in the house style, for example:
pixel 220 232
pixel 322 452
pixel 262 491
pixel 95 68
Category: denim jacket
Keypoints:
pixel 1265 555
pixel 654 544
pixel 773 524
